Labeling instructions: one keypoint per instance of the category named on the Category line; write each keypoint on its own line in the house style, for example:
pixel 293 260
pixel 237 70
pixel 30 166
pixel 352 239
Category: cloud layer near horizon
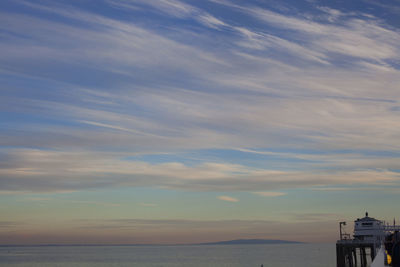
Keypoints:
pixel 47 171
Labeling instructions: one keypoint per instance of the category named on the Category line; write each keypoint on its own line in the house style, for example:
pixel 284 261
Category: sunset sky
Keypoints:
pixel 171 121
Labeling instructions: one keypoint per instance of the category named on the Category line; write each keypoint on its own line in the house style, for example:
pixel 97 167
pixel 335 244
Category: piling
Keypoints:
pixel 347 256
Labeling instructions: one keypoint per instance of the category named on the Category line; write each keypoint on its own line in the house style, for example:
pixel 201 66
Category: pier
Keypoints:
pixel 367 242
pixel 354 253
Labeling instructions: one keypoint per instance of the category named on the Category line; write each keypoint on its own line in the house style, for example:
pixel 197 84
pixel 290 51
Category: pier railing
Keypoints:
pixel 357 241
pixel 391 228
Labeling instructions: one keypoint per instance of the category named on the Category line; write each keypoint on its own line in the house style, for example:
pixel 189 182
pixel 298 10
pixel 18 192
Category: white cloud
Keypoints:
pixel 261 41
pixel 211 21
pixel 227 198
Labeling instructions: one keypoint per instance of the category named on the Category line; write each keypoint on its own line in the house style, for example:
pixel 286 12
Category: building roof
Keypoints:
pixel 366 218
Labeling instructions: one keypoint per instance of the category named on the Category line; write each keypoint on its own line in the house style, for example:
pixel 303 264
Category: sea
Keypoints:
pixel 270 255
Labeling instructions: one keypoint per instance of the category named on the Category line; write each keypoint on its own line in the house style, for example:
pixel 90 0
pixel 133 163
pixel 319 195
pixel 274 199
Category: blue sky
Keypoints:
pixel 214 119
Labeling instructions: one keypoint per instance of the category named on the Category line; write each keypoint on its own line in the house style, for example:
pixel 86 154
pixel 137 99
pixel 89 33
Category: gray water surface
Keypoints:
pixel 277 255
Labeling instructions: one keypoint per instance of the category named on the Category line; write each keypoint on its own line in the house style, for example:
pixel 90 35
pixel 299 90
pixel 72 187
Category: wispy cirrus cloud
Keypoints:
pixel 357 35
pixel 174 8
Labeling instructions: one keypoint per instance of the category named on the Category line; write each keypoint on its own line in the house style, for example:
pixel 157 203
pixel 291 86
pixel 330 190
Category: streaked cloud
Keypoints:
pixel 174 8
pixel 314 217
pixel 7 225
pixel 39 199
pixel 39 170
pixel 270 194
pixel 148 204
pixel 228 198
pixel 90 202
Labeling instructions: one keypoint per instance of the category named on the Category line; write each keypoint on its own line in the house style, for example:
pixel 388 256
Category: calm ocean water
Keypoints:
pixel 285 255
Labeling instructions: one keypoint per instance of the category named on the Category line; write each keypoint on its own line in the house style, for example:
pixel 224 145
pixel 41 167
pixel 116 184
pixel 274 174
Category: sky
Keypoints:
pixel 172 121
